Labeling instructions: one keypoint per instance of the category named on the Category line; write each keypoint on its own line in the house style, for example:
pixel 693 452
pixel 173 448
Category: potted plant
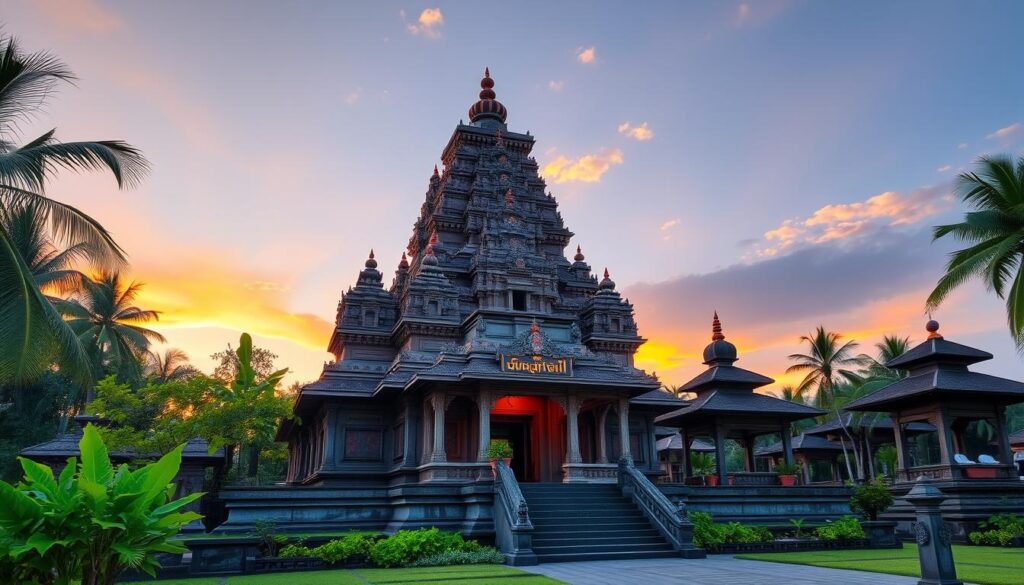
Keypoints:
pixel 499 449
pixel 703 466
pixel 787 473
pixel 869 500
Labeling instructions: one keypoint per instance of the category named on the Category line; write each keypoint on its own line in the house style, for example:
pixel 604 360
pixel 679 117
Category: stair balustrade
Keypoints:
pixel 669 519
pixel 512 525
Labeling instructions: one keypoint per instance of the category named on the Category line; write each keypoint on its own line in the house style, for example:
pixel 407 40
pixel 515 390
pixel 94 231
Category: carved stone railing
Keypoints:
pixel 668 518
pixel 512 526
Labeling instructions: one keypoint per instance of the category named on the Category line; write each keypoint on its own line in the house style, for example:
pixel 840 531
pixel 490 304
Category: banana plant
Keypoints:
pixel 93 521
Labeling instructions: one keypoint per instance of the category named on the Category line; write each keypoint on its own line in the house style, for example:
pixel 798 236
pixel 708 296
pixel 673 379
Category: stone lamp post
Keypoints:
pixel 933 535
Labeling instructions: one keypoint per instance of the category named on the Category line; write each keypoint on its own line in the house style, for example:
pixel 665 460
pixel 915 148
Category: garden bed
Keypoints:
pixel 787 545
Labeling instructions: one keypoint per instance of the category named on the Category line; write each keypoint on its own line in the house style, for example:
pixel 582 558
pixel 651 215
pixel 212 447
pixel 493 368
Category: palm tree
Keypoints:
pixel 995 234
pixel 52 268
pixel 889 349
pixel 825 366
pixel 172 365
pixel 109 326
pixel 32 334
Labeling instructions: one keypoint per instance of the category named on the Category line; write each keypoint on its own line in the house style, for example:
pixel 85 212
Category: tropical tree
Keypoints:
pixel 994 234
pixel 32 334
pixel 889 348
pixel 103 317
pixel 171 365
pixel 53 269
pixel 825 365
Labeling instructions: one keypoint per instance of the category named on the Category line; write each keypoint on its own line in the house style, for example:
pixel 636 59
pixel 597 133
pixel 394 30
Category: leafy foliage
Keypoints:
pixel 499 449
pixel 994 234
pixel 93 521
pixel 32 414
pixel 845 528
pixel 870 499
pixel 709 534
pixel 998 530
pixel 703 464
pixel 33 337
pixel 784 468
pixel 408 546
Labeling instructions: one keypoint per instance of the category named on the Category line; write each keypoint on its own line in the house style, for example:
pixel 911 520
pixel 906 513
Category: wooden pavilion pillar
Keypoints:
pixel 748 444
pixel 1005 452
pixel 720 467
pixel 787 443
pixel 901 445
pixel 947 446
pixel 687 467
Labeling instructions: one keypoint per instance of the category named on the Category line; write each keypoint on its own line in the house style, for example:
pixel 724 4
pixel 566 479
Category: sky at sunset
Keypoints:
pixel 782 162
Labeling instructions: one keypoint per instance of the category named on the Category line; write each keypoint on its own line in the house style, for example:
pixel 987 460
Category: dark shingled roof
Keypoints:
pixel 659 398
pixel 937 350
pixel 880 422
pixel 675 443
pixel 942 382
pixel 802 442
pixel 737 402
pixel 65 445
pixel 726 376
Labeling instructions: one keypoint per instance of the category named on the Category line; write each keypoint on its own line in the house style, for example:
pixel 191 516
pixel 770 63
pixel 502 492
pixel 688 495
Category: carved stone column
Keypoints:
pixel 934 536
pixel 439 401
pixel 624 429
pixel 602 439
pixel 484 403
pixel 572 415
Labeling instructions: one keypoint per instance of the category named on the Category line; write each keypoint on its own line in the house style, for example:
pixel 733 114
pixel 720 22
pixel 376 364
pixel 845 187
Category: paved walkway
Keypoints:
pixel 714 570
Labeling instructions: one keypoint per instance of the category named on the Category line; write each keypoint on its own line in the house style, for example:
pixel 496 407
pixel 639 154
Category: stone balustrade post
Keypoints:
pixel 933 535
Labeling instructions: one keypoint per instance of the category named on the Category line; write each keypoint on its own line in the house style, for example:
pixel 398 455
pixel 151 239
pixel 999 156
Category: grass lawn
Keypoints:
pixel 464 575
pixel 975 564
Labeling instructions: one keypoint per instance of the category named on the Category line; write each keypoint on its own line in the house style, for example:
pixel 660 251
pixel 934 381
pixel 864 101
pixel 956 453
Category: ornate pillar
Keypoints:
pixel 624 429
pixel 410 449
pixel 602 438
pixel 439 401
pixel 427 446
pixel 901 445
pixel 484 403
pixel 720 464
pixel 572 414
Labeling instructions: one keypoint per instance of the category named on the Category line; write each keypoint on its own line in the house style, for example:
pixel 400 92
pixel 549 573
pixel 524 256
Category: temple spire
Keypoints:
pixel 716 329
pixel 488 107
pixel 579 254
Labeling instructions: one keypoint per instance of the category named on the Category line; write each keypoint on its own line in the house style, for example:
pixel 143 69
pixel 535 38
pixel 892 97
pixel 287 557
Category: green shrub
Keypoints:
pixel 407 546
pixel 92 522
pixel 295 550
pixel 483 556
pixel 499 449
pixel 356 544
pixel 787 468
pixel 706 533
pixel 998 530
pixel 870 499
pixel 845 528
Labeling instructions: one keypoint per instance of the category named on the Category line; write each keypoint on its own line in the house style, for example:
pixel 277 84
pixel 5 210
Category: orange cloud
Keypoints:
pixel 586 56
pixel 847 220
pixel 641 133
pixel 588 168
pixel 427 25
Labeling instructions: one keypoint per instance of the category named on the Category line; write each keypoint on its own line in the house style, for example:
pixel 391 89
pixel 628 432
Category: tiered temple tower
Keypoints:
pixel 487 330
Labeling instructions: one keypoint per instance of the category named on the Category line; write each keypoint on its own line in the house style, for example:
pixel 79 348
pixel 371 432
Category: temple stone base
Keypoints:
pixel 968 502
pixel 590 473
pixel 461 472
pixel 465 508
pixel 766 505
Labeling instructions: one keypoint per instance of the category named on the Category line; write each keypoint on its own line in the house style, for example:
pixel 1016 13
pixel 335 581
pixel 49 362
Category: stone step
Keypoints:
pixel 609 515
pixel 562 540
pixel 600 548
pixel 581 526
pixel 605 556
pixel 587 531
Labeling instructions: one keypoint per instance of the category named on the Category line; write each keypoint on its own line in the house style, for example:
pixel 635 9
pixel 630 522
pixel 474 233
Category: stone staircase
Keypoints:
pixel 589 522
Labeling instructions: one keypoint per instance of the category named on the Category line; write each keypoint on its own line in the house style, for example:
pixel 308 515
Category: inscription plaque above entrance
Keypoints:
pixel 537 365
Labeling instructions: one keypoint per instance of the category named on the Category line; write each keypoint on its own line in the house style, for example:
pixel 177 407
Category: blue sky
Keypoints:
pixel 288 139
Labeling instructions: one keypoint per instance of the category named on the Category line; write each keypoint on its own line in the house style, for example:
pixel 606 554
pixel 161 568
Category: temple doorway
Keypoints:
pixel 516 430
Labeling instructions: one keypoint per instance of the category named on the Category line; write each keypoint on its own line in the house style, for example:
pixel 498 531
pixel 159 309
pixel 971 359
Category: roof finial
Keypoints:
pixel 579 254
pixel 370 262
pixel 405 261
pixel 933 328
pixel 487 71
pixel 435 170
pixel 716 329
pixel 606 275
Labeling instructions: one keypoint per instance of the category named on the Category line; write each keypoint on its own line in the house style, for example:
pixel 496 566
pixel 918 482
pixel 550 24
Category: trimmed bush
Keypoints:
pixel 353 544
pixel 998 530
pixel 845 528
pixel 409 546
pixel 708 534
pixel 870 499
pixel 484 556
